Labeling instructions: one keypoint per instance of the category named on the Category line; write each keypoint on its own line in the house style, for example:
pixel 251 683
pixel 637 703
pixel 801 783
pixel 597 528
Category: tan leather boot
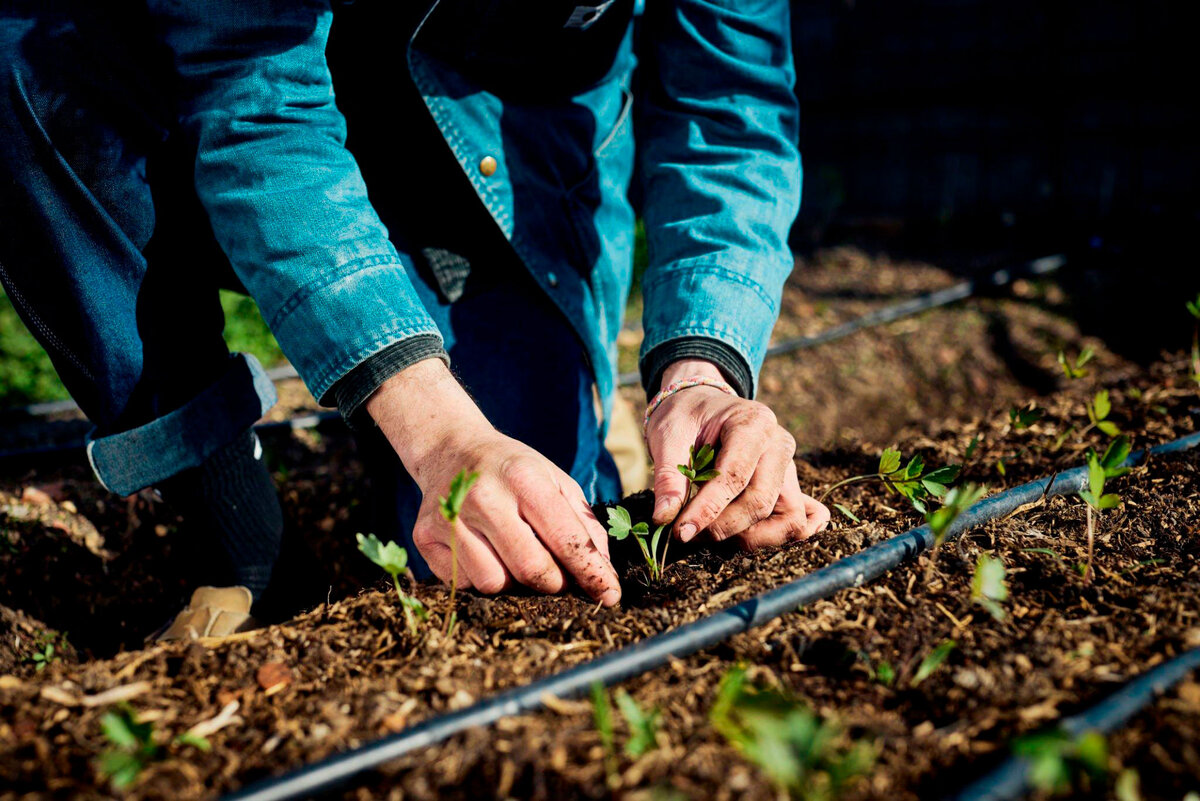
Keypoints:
pixel 213 612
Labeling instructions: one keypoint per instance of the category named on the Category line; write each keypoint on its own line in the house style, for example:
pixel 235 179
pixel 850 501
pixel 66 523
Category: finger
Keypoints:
pixel 817 514
pixel 497 518
pixel 743 443
pixel 670 442
pixel 551 516
pixel 757 501
pixel 789 521
pixel 583 511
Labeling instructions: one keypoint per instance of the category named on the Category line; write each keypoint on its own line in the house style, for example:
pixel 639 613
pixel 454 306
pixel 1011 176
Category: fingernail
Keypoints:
pixel 610 597
pixel 687 531
pixel 662 508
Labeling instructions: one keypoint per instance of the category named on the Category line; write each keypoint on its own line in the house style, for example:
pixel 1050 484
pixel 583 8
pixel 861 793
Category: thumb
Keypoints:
pixel 669 447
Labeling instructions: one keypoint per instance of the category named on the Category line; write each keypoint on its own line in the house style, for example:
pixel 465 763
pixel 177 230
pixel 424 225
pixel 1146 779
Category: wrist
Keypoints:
pixel 690 368
pixel 424 413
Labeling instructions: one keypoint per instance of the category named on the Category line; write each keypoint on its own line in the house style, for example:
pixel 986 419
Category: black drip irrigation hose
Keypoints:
pixel 1011 779
pixel 653 652
pixel 888 314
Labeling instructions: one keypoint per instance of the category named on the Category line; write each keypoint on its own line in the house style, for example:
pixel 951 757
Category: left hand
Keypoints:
pixel 756 497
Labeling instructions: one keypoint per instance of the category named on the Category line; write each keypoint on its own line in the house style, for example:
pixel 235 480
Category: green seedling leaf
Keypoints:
pixel 1128 786
pixel 643 726
pixel 1109 501
pixel 1108 427
pixel 1044 552
pixel 933 661
pixel 801 754
pixel 195 741
pixel 1114 457
pixel 391 557
pixel 971 448
pixel 846 512
pixel 132 747
pixel 944 475
pixel 1096 475
pixel 451 505
pixel 1193 307
pixel 602 716
pixel 657 535
pixel 702 458
pixel 619 522
pixel 707 475
pixel 415 606
pixel 988 587
pixel 1024 418
pixel 885 674
pixel 957 501
pixel 1101 405
pixel 915 466
pixel 889 462
pixel 687 471
pixel 1057 760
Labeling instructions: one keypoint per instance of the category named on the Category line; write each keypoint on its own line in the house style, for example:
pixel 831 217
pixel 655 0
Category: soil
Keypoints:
pixel 347 671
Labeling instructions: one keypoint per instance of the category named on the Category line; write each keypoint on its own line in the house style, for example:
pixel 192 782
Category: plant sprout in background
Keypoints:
pixel 803 755
pixel 956 501
pixel 932 661
pixel 1021 418
pixel 1100 469
pixel 1074 369
pixel 1097 410
pixel 1060 762
pixel 451 507
pixel 643 728
pixel 909 481
pixel 394 561
pixel 1193 307
pixel 988 587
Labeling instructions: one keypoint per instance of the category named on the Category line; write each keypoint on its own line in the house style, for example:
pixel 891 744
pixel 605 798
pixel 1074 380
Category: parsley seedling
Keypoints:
pixel 909 481
pixel 1100 469
pixel 1059 761
pixel 394 561
pixel 957 501
pixel 988 587
pixel 1074 369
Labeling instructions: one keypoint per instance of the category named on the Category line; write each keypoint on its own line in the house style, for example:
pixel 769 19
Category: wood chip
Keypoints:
pixel 226 717
pixel 273 677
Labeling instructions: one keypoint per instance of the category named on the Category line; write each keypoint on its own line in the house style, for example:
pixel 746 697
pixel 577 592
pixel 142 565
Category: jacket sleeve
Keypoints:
pixel 285 198
pixel 717 132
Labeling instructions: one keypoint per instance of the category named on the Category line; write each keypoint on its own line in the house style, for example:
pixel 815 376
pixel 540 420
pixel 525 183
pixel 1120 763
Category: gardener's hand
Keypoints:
pixel 756 496
pixel 524 520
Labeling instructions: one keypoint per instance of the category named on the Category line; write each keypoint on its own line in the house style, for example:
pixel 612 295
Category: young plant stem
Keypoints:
pixel 451 615
pixel 1091 544
pixel 408 615
pixel 845 482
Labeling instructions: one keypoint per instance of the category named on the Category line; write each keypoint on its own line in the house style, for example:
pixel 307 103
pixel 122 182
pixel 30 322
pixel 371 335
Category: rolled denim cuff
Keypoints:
pixel 727 359
pixel 142 457
pixel 361 382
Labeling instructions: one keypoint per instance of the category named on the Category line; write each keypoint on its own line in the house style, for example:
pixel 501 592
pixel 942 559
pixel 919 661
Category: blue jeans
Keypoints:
pixel 109 259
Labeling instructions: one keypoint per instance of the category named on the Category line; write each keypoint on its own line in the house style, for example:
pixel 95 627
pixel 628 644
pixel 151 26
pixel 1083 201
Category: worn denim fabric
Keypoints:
pixel 137 341
pixel 712 123
pixel 704 139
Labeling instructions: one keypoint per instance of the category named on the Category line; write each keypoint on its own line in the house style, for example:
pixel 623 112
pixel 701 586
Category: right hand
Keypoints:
pixel 523 521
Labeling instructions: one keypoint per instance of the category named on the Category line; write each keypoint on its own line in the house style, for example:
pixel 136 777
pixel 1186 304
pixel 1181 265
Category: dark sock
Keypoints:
pixel 231 498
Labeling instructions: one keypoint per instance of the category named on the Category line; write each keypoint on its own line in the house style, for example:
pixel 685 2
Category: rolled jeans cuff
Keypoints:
pixel 184 438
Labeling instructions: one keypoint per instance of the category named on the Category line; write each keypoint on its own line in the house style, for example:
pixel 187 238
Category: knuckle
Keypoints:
pixel 519 472
pixel 759 506
pixel 534 571
pixel 787 442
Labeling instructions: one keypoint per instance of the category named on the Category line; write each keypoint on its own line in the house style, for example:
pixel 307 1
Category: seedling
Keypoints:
pixel 1059 762
pixel 131 747
pixel 1022 418
pixel 697 470
pixel 910 481
pixel 1193 307
pixel 932 661
pixel 957 501
pixel 47 655
pixel 602 718
pixel 643 725
pixel 803 755
pixel 1097 410
pixel 1100 469
pixel 620 526
pixel 1074 369
pixel 988 587
pixel 450 507
pixel 394 561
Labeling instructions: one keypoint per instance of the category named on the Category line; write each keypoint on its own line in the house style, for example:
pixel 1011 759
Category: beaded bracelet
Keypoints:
pixel 685 383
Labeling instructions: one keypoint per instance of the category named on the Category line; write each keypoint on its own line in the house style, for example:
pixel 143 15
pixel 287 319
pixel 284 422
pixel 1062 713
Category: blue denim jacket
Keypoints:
pixel 706 138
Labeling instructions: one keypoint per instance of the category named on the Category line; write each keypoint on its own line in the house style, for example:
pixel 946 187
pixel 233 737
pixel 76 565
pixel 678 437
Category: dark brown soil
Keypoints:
pixel 348 671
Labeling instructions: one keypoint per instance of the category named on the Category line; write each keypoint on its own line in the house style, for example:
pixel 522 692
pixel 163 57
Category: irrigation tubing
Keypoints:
pixel 1011 779
pixel 887 314
pixel 653 652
